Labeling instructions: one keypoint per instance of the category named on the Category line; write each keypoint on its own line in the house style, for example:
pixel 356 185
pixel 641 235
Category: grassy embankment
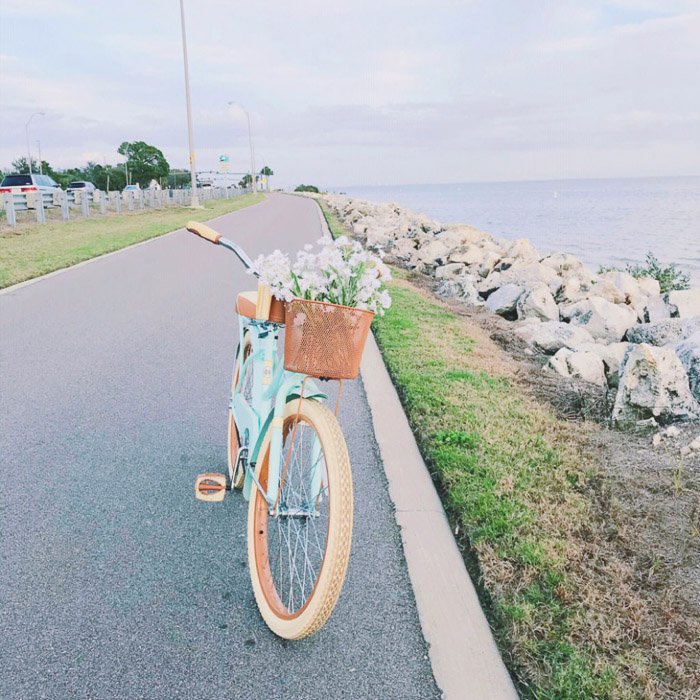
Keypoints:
pixel 519 490
pixel 35 250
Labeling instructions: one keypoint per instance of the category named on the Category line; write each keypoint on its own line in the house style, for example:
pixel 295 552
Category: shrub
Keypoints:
pixel 306 188
pixel 669 277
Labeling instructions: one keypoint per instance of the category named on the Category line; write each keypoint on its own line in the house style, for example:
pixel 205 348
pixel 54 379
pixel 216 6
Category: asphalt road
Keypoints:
pixel 114 581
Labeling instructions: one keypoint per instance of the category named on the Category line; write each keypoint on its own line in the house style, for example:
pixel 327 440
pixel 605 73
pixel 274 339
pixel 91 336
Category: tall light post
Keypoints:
pixel 26 131
pixel 41 166
pixel 194 200
pixel 254 180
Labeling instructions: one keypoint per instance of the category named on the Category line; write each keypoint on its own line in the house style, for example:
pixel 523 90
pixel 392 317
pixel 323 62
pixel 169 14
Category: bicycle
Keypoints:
pixel 287 453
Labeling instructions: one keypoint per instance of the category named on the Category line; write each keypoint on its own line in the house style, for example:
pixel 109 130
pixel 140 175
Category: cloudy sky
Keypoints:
pixel 363 91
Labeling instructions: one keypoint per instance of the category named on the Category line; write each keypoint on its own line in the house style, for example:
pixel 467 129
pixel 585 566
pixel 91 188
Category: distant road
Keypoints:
pixel 114 581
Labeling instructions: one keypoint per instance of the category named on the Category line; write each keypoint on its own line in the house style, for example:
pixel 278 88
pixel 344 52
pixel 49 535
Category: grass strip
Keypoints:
pixel 37 250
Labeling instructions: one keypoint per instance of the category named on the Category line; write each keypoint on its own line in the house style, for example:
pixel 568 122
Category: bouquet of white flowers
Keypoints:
pixel 340 272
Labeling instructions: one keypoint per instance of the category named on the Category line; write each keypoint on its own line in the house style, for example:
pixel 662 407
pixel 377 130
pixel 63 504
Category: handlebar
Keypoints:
pixel 204 231
pixel 209 234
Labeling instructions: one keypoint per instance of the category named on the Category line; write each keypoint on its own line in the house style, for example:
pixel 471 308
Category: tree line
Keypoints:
pixel 143 164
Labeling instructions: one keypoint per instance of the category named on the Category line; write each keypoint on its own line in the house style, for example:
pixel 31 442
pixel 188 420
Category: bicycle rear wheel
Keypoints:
pixel 299 556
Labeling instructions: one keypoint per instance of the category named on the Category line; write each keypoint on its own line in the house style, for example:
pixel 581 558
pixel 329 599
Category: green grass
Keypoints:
pixel 37 250
pixel 517 486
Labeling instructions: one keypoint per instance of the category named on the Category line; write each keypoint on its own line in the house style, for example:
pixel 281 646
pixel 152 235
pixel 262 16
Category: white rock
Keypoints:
pixel 504 300
pixel 655 309
pixel 378 238
pixel 434 253
pixel 491 258
pixel 653 384
pixel 403 249
pixel 550 336
pixel 603 320
pixel 608 291
pixel 469 255
pixel 521 252
pixel 461 288
pixel 563 264
pixel 462 234
pixel 586 366
pixel 688 352
pixel 612 356
pixel 685 301
pixel 672 432
pixel 538 303
pixel 449 270
pixel 672 330
pixel 649 286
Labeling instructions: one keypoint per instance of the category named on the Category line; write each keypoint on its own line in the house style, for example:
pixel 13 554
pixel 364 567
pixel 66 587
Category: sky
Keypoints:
pixel 362 92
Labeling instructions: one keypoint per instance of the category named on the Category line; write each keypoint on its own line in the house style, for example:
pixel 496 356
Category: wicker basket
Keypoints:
pixel 325 340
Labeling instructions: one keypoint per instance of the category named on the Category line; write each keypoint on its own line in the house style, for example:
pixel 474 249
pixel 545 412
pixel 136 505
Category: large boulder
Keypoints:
pixel 468 254
pixel 583 365
pixel 653 385
pixel 503 301
pixel 462 234
pixel 604 320
pixel 449 270
pixel 520 253
pixel 434 253
pixel 688 352
pixel 403 249
pixel 612 356
pixel 550 336
pixel 684 302
pixel 672 330
pixel 655 309
pixel 538 303
pixel 563 264
pixel 461 288
pixel 379 238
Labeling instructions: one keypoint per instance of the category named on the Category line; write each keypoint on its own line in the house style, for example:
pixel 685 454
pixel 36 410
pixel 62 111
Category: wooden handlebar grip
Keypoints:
pixel 203 231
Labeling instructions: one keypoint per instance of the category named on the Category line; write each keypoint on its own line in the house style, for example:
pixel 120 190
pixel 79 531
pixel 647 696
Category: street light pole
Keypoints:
pixel 26 132
pixel 194 201
pixel 253 182
pixel 41 166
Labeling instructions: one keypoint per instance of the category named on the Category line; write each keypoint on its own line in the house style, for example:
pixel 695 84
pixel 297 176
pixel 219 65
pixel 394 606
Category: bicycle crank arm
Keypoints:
pixel 210 487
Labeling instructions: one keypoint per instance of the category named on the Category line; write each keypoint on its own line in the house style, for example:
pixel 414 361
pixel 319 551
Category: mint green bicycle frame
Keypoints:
pixel 273 387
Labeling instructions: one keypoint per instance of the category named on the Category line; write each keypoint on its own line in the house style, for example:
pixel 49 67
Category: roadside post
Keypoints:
pixel 85 204
pixel 118 202
pixel 65 209
pixel 130 200
pixel 103 201
pixel 141 204
pixel 39 204
pixel 9 202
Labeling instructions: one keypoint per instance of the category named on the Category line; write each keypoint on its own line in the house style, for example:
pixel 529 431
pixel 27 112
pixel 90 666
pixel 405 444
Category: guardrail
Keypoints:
pixel 90 203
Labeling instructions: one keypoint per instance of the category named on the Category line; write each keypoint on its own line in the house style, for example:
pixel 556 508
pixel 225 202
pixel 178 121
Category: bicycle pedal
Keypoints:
pixel 210 486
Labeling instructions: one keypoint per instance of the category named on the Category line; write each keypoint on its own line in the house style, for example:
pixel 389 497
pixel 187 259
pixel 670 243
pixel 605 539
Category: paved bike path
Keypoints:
pixel 114 581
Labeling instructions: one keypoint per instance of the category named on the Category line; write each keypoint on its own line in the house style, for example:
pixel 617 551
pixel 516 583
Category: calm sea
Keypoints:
pixel 603 222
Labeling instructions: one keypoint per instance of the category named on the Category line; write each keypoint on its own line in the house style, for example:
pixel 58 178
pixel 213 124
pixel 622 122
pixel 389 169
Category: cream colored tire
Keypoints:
pixel 329 579
pixel 236 477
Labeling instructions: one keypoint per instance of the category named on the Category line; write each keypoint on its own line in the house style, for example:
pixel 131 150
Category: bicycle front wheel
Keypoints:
pixel 298 554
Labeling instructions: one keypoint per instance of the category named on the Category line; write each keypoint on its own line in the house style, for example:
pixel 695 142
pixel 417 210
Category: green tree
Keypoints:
pixel 245 181
pixel 306 188
pixel 21 165
pixel 145 162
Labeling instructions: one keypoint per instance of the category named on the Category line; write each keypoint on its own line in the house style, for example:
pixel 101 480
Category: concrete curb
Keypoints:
pixel 466 662
pixel 34 280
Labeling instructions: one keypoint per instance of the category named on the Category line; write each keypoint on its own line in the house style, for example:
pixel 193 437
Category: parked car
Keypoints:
pixel 21 184
pixel 81 185
pixel 132 188
pixel 25 184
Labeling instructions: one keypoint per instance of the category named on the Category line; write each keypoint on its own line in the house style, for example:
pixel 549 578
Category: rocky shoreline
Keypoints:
pixel 611 329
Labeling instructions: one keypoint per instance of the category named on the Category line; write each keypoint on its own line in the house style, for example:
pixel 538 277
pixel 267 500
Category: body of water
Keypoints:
pixel 603 222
